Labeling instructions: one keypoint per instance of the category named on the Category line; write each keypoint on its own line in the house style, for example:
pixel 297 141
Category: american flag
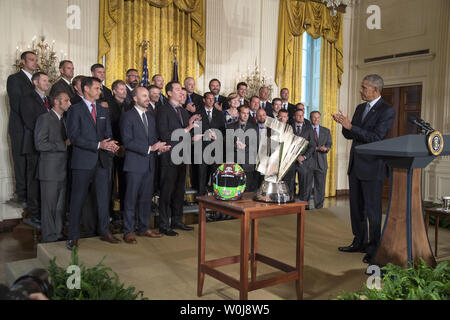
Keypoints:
pixel 145 82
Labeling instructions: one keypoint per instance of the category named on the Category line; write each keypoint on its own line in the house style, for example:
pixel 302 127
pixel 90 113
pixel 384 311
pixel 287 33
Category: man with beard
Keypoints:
pixel 220 102
pixel 132 83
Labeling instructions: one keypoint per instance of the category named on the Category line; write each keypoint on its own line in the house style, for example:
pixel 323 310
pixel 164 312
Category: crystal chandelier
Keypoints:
pixel 48 61
pixel 256 79
pixel 333 5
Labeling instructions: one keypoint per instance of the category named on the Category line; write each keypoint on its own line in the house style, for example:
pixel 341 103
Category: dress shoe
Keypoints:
pixel 71 243
pixel 168 232
pixel 129 238
pixel 367 259
pixel 149 233
pixel 182 226
pixel 110 238
pixel 352 248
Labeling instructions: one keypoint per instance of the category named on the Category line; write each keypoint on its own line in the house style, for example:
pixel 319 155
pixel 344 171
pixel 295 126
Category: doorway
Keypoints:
pixel 407 101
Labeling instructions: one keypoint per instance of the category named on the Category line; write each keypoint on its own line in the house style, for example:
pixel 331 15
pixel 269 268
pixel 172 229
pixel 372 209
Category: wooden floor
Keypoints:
pixel 166 268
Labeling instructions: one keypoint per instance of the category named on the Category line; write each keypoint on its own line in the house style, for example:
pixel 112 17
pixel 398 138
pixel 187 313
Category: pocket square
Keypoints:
pixel 101 118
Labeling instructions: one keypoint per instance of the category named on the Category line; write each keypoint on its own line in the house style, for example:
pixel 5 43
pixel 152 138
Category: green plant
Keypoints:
pixel 416 283
pixel 96 283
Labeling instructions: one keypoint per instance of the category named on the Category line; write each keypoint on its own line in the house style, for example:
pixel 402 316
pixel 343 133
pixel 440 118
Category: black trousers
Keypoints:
pixel 33 187
pixel 138 199
pixel 366 206
pixel 172 188
pixel 121 181
pixel 19 162
pixel 305 180
pixel 204 176
pixel 53 209
pixel 81 179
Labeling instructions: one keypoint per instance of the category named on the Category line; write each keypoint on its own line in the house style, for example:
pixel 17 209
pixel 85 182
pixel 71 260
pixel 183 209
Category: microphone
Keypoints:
pixel 424 126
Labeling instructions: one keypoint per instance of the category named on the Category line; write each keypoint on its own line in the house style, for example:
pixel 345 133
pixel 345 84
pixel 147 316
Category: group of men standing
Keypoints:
pixel 84 135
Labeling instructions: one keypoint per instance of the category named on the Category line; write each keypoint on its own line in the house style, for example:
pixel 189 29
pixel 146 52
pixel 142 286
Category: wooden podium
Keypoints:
pixel 404 239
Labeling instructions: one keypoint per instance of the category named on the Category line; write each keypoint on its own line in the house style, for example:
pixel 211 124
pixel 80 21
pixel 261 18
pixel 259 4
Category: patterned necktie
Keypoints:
pixel 366 111
pixel 47 104
pixel 209 116
pixel 299 129
pixel 189 99
pixel 93 114
pixel 315 133
pixel 144 119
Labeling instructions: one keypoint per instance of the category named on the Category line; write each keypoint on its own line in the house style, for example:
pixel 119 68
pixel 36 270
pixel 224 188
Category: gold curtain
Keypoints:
pixel 295 17
pixel 125 24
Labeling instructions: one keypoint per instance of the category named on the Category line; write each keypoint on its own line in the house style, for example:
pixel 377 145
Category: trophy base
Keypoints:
pixel 274 193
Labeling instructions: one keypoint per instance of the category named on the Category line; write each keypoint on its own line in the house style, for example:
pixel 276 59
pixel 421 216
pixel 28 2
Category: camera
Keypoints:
pixel 35 281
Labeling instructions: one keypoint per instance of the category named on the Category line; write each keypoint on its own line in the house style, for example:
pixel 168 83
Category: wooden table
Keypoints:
pixel 249 211
pixel 437 212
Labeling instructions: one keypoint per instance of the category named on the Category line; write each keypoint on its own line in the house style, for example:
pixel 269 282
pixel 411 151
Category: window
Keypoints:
pixel 310 73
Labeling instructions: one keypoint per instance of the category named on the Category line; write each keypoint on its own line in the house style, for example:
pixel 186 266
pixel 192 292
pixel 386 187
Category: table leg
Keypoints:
pixel 300 233
pixel 436 232
pixel 243 292
pixel 201 247
pixel 254 247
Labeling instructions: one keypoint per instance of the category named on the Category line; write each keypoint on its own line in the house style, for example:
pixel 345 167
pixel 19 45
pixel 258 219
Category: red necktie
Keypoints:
pixel 315 132
pixel 93 113
pixel 47 104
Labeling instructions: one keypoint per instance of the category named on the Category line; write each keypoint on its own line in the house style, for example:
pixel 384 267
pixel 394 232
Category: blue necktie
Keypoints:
pixel 189 100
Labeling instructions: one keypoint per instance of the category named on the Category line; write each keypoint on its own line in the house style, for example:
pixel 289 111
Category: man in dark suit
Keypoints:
pixel 18 85
pixel 371 122
pixel 192 97
pixel 242 93
pixel 98 71
pixel 31 107
pixel 285 105
pixel 158 80
pixel 76 85
pixel 51 141
pixel 220 102
pixel 132 83
pixel 254 107
pixel 117 107
pixel 300 106
pixel 154 93
pixel 64 83
pixel 172 117
pixel 305 161
pixel 213 124
pixel 322 136
pixel 263 100
pixel 246 147
pixel 141 143
pixel 89 130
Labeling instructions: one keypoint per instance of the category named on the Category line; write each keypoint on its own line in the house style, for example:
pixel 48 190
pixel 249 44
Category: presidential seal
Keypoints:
pixel 435 143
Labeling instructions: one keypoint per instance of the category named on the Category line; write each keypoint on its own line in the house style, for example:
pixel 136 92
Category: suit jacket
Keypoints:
pixel 250 150
pixel 291 109
pixel 85 135
pixel 167 121
pixel 61 85
pixel 50 143
pixel 137 142
pixel 375 127
pixel 268 109
pixel 129 98
pixel 116 109
pixel 222 101
pixel 31 107
pixel 308 134
pixel 75 99
pixel 106 94
pixel 320 157
pixel 217 122
pixel 197 100
pixel 18 85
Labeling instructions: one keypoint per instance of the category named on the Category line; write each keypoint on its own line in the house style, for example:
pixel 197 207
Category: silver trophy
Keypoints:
pixel 278 149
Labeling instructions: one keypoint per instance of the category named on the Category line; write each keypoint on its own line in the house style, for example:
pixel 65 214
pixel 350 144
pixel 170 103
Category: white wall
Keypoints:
pixel 238 33
pixel 20 20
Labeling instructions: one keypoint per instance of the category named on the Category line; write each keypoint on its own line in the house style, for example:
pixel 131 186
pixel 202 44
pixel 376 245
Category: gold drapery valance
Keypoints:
pixel 125 24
